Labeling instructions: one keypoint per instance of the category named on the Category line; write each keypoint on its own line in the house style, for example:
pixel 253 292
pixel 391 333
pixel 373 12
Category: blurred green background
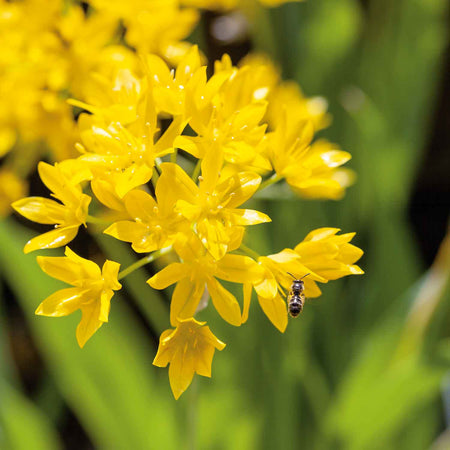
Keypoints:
pixel 367 365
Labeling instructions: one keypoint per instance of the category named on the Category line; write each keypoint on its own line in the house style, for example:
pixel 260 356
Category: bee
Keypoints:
pixel 296 297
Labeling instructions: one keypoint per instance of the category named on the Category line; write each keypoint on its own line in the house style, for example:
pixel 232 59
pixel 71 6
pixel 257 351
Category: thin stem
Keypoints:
pixel 158 162
pixel 196 171
pixel 143 261
pixel 173 156
pixel 155 177
pixel 249 252
pixel 272 180
pixel 97 221
pixel 192 415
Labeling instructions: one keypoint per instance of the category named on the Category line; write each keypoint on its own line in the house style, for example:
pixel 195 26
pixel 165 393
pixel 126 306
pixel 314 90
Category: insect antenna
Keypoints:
pixel 295 278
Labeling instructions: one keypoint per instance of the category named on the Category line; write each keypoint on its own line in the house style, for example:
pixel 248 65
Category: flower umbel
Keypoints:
pixel 91 292
pixel 169 154
pixel 189 349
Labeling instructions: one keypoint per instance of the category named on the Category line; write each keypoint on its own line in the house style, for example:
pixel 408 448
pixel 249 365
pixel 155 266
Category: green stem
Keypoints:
pixel 158 163
pixel 143 261
pixel 97 221
pixel 155 177
pixel 173 156
pixel 249 252
pixel 196 171
pixel 192 415
pixel 272 180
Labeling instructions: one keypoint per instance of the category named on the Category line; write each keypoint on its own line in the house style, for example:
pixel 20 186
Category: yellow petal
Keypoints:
pixel 247 291
pixel 248 217
pixel 105 305
pixel 285 256
pixel 311 288
pixel 175 184
pixel 135 232
pixel 189 145
pixel 335 158
pixel 276 310
pixel 350 253
pixel 132 177
pixel 89 323
pixel 188 210
pixel 238 269
pixel 189 64
pixel 61 303
pixel 52 239
pixel 185 299
pixel 316 187
pixel 140 205
pixel 211 165
pixel 181 372
pixel 224 302
pixel 164 354
pixel 54 179
pixel 321 233
pixel 214 237
pixel 165 143
pixel 62 268
pixel 203 360
pixel 239 188
pixel 106 194
pixel 41 210
pixel 89 268
pixel 167 276
pixel 110 273
pixel 267 287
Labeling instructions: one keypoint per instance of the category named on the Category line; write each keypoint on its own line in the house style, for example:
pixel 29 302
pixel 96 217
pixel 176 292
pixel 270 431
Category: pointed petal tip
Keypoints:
pixel 177 393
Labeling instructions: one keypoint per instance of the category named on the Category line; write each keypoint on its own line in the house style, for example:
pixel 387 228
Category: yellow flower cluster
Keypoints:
pixel 48 58
pixel 47 53
pixel 168 158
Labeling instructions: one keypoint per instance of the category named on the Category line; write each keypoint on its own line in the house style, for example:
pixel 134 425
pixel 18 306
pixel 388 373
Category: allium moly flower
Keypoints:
pixel 111 149
pixel 67 215
pixel 154 225
pixel 113 99
pixel 281 95
pixel 328 254
pixel 287 95
pixel 212 206
pixel 226 113
pixel 153 26
pixel 310 170
pixel 323 255
pixel 91 292
pixel 199 270
pixel 189 349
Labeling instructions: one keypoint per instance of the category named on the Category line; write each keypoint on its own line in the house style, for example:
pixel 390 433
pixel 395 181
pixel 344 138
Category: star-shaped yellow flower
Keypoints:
pixel 199 270
pixel 67 216
pixel 310 170
pixel 154 225
pixel 323 255
pixel 328 254
pixel 189 349
pixel 91 292
pixel 212 206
